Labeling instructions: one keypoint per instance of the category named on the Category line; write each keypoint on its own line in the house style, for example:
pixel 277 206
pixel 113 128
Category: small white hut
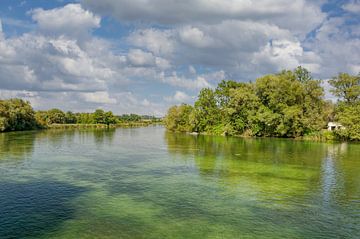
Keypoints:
pixel 334 126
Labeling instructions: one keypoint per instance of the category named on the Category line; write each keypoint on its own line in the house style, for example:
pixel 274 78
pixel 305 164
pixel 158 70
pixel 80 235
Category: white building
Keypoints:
pixel 334 126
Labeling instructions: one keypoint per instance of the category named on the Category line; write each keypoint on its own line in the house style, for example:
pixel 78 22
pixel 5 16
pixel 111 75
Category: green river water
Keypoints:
pixel 147 183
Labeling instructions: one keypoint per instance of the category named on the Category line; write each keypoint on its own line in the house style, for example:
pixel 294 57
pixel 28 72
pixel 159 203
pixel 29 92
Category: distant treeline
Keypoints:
pixel 287 104
pixel 17 114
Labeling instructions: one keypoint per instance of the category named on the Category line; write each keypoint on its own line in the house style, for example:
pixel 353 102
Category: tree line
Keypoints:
pixel 17 114
pixel 287 104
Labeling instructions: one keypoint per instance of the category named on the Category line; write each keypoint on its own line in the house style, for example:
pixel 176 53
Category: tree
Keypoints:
pixel 206 111
pixel 109 118
pixel 241 109
pixel 347 110
pixel 222 91
pixel 130 117
pixel 99 116
pixel 70 118
pixel 346 87
pixel 55 116
pixel 85 118
pixel 16 114
pixel 287 104
pixel 302 74
pixel 349 117
pixel 178 118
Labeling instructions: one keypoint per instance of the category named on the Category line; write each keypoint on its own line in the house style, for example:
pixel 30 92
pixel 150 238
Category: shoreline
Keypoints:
pixel 322 136
pixel 87 126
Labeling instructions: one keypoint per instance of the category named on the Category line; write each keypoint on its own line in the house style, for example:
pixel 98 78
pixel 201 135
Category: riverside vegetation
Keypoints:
pixel 288 104
pixel 17 115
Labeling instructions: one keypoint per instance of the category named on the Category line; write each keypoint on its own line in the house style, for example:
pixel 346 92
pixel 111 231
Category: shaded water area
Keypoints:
pixel 147 183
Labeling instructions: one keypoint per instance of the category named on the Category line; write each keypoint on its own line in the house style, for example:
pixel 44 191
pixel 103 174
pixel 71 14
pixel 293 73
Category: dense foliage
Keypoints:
pixel 347 111
pixel 287 104
pixel 56 116
pixel 16 114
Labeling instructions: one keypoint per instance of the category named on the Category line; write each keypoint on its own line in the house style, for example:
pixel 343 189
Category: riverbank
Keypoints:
pixel 321 136
pixel 90 126
pixel 100 126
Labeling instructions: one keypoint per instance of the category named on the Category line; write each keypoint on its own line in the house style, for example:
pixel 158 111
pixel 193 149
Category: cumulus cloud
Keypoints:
pixel 71 19
pixel 179 97
pixel 158 42
pixel 299 15
pixel 138 57
pixel 169 46
pixel 193 36
pixel 337 47
pixel 196 83
pixel 101 97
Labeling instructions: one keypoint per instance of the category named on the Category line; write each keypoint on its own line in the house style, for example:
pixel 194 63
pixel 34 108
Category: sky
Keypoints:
pixel 142 56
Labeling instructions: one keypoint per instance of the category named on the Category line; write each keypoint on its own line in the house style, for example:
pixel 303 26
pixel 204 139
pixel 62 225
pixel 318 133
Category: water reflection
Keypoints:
pixel 16 145
pixel 287 168
pixel 104 136
pixel 21 145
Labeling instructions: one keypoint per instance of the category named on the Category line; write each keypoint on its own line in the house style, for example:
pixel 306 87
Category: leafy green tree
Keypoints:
pixel 55 116
pixel 85 118
pixel 178 118
pixel 302 74
pixel 130 118
pixel 288 104
pixel 16 114
pixel 349 117
pixel 206 111
pixel 109 118
pixel 346 87
pixel 99 116
pixel 347 110
pixel 70 118
pixel 241 109
pixel 222 91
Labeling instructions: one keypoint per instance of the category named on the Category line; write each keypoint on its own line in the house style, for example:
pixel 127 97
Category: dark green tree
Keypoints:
pixel 55 116
pixel 207 115
pixel 99 116
pixel 346 87
pixel 16 114
pixel 70 118
pixel 109 118
pixel 347 110
pixel 178 118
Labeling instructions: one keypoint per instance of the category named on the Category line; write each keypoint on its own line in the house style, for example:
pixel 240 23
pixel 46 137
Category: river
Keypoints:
pixel 149 183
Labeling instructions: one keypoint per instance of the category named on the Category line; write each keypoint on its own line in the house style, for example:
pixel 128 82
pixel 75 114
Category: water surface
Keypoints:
pixel 146 183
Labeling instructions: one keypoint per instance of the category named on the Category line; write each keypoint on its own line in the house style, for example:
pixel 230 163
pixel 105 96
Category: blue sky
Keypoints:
pixel 143 56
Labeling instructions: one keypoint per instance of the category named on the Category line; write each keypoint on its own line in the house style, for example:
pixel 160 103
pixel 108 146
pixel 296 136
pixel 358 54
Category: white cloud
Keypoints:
pixel 299 15
pixel 193 36
pixel 71 19
pixel 101 97
pixel 179 97
pixel 158 42
pixel 353 6
pixel 282 54
pixel 336 46
pixel 138 57
pixel 181 81
pixel 192 45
